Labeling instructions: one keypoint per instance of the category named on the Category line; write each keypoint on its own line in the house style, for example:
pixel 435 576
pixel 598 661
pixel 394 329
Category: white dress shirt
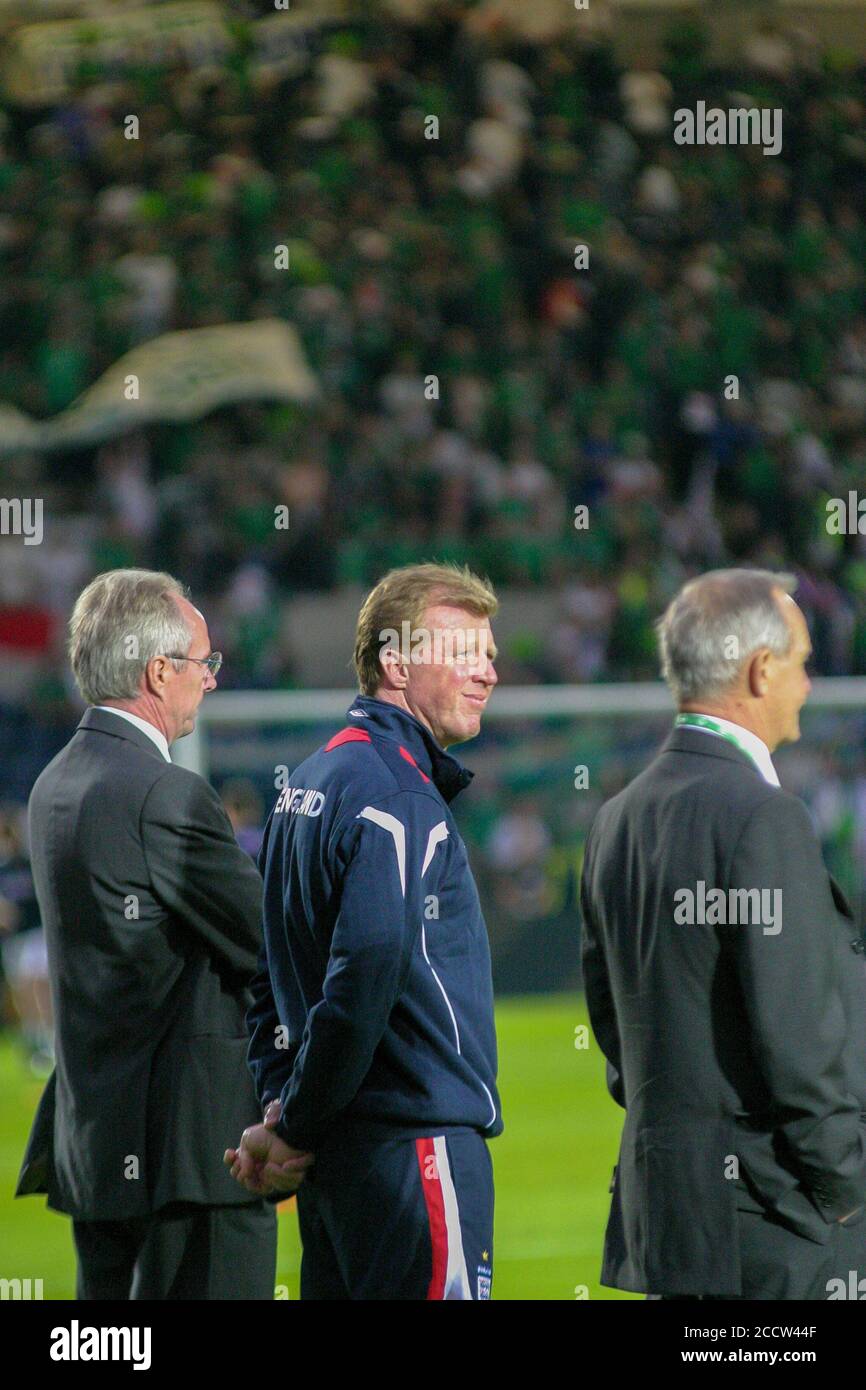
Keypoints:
pixel 754 746
pixel 150 729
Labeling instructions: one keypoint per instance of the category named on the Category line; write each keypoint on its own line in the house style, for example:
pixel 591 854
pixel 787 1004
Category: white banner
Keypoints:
pixel 179 376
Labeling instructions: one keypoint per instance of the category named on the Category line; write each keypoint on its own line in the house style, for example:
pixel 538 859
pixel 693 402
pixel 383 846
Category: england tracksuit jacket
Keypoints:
pixel 373 1014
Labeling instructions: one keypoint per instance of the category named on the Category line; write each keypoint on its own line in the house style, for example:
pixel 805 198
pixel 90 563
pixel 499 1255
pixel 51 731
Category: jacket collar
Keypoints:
pixel 448 775
pixel 685 740
pixel 107 722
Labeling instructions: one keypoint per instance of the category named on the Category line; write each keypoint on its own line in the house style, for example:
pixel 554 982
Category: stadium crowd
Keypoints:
pixel 452 258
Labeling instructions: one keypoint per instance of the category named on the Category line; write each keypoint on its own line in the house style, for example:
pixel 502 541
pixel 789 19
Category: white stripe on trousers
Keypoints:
pixel 457 1284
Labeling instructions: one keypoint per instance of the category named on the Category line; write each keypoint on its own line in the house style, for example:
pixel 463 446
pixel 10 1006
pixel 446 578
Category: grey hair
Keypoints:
pixel 715 623
pixel 120 622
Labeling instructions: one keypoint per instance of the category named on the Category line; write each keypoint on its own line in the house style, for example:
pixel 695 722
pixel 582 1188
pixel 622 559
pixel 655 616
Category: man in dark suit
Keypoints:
pixel 725 980
pixel 153 920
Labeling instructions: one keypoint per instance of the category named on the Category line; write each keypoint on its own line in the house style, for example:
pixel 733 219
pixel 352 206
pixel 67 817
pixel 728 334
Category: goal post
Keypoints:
pixel 545 760
pixel 268 707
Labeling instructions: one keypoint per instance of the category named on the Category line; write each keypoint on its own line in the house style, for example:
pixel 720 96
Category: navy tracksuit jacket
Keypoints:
pixel 373 1014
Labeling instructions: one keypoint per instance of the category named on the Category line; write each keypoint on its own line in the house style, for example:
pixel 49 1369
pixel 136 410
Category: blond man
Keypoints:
pixel 372 1036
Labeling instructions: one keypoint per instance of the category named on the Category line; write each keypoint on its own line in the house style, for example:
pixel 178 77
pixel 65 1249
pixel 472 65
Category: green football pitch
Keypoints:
pixel 552 1165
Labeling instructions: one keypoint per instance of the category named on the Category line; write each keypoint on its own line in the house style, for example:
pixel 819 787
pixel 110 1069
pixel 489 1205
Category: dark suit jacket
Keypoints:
pixel 721 1040
pixel 153 920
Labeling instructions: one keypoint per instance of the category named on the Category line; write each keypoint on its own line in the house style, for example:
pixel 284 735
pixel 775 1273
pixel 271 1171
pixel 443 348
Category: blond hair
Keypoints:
pixel 403 596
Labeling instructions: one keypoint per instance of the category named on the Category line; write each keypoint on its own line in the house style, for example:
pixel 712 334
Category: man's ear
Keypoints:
pixel 759 671
pixel 155 674
pixel 393 667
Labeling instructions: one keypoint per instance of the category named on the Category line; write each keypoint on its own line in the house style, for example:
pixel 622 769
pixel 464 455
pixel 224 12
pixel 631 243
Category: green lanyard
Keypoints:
pixel 704 721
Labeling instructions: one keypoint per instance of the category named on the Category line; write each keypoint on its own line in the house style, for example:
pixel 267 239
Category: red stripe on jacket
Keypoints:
pixel 349 735
pixel 404 753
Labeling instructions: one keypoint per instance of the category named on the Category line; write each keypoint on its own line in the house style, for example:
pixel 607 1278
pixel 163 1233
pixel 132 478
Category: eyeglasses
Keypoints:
pixel 212 662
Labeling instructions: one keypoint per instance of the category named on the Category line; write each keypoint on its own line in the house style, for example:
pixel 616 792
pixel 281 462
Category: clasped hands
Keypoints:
pixel 263 1163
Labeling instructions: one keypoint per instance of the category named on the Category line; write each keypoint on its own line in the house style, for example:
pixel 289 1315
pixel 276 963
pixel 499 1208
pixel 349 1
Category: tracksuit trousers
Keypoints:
pixel 399 1218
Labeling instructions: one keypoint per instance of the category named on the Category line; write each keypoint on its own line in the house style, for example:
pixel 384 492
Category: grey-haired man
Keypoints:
pixel 725 980
pixel 153 920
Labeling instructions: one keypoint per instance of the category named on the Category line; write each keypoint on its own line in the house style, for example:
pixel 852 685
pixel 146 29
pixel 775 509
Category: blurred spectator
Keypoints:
pixel 22 946
pixel 245 810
